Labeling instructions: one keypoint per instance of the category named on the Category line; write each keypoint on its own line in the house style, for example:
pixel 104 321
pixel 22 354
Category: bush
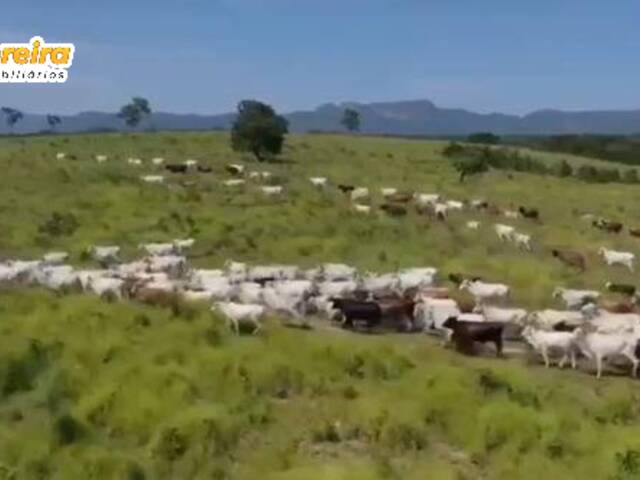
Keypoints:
pixel 59 225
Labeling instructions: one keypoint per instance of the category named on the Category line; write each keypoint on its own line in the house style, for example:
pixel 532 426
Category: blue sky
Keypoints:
pixel 203 56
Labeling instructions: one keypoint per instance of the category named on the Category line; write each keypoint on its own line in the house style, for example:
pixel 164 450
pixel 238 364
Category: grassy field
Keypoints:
pixel 97 390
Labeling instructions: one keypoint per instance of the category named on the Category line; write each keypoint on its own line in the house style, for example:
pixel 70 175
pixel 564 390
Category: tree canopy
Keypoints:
pixel 258 129
pixel 133 113
pixel 12 116
pixel 351 120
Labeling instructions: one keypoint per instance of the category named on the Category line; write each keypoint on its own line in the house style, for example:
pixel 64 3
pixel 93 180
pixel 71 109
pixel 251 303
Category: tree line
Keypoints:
pixel 470 159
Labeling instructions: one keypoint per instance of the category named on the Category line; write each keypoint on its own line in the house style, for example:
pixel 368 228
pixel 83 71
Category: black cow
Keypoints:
pixel 530 213
pixel 204 169
pixel 346 188
pixel 176 167
pixel 355 310
pixel 622 288
pixel 466 334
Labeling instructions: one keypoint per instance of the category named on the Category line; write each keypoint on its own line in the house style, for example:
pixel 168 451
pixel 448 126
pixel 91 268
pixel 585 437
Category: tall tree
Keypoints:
pixel 351 120
pixel 467 166
pixel 11 116
pixel 53 121
pixel 258 129
pixel 133 113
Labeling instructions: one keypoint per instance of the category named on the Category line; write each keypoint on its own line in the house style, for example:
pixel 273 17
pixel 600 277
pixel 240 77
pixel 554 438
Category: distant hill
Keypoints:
pixel 417 117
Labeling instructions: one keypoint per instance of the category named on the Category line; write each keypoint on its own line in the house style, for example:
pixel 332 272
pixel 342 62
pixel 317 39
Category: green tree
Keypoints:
pixel 565 169
pixel 53 121
pixel 351 120
pixel 11 116
pixel 486 138
pixel 467 166
pixel 258 129
pixel 133 113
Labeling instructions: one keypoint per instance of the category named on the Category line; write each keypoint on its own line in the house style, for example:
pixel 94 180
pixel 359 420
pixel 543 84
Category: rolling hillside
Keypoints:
pixel 91 389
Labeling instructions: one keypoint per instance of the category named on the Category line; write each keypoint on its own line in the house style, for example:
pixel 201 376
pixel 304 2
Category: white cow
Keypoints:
pixel 473 225
pixel 157 161
pixel 272 191
pixel 603 346
pixel 522 241
pixel 60 156
pixel 237 313
pixel 153 179
pixel 359 208
pixel 482 291
pixel 318 182
pixel 158 249
pixel 181 244
pixel 106 254
pixel 613 257
pixel 388 191
pixel 340 288
pixel 359 193
pixel 548 319
pixel 504 232
pixel 454 205
pixel 103 286
pixel 55 258
pixel 575 299
pixel 544 341
pixel 515 316
pixel 234 182
pixel 248 292
pixel 431 313
pixel 426 199
pixel 337 271
pixel 101 158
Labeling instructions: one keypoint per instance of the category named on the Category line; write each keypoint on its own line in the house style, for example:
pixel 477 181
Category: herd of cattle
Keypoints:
pixel 408 300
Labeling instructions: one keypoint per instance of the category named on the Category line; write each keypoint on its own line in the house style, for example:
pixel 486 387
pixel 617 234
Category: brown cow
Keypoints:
pixel 608 225
pixel 634 232
pixel 571 258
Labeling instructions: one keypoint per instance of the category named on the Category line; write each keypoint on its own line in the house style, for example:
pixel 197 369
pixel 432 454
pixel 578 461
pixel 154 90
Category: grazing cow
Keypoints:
pixel 623 288
pixel 359 208
pixel 479 204
pixel 346 188
pixel 181 244
pixel 466 334
pixel 248 292
pixel 607 225
pixel 514 316
pixel 359 193
pixel 602 346
pixel 454 205
pixel 388 191
pixel 176 167
pixel 353 310
pixel 482 291
pixel 272 191
pixel 158 249
pixel 55 258
pixel 105 255
pixel 152 178
pixel 522 241
pixel 634 232
pixel 235 182
pixel 511 214
pixel 237 313
pixel 505 232
pixel 550 319
pixel 571 258
pixel 235 169
pixel 190 163
pixel 204 169
pixel 473 225
pixel 60 156
pixel 426 199
pixel 441 211
pixel 101 158
pixel 575 299
pixel 393 209
pixel 431 314
pixel 332 272
pixel 544 341
pixel 318 182
pixel 613 257
pixel 134 161
pixel 530 213
pixel 157 161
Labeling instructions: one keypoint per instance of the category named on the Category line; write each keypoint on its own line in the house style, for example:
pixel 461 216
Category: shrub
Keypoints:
pixel 59 225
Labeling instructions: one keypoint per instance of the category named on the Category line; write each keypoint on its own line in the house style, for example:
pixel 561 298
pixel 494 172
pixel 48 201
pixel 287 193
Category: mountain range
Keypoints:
pixel 411 118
